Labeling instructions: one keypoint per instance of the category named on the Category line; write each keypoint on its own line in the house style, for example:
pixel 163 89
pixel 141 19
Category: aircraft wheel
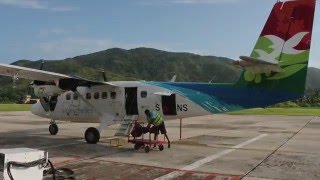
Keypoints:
pixel 161 147
pixel 53 129
pixel 137 146
pixel 92 135
pixel 147 149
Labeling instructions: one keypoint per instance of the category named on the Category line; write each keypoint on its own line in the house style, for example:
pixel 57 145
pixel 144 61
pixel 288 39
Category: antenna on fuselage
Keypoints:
pixel 104 75
pixel 42 64
pixel 173 79
pixel 212 79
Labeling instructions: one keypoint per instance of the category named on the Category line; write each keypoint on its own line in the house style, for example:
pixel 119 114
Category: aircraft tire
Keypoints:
pixel 92 135
pixel 147 149
pixel 161 147
pixel 53 129
pixel 137 146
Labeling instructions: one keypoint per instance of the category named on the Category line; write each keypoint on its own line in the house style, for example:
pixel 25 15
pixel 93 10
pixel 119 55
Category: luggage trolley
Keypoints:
pixel 140 142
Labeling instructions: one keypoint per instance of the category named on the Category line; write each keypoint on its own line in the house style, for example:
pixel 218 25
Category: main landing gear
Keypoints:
pixel 53 128
pixel 92 135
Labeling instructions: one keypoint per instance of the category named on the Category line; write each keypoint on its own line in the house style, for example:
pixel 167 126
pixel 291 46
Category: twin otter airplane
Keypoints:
pixel 274 72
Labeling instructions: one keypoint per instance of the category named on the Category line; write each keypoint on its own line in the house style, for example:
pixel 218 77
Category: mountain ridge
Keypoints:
pixel 140 63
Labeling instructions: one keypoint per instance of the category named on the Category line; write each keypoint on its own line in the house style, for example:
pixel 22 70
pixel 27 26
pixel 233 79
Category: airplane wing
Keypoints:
pixel 39 75
pixel 31 74
pixel 256 60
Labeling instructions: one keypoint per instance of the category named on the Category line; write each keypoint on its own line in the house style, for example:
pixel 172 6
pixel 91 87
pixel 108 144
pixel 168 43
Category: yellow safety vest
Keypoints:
pixel 157 120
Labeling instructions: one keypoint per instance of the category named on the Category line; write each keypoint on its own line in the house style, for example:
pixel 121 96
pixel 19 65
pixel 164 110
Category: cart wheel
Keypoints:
pixel 137 146
pixel 146 149
pixel 161 147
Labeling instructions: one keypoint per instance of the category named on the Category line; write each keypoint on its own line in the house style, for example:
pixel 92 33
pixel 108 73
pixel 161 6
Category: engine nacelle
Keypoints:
pixel 46 90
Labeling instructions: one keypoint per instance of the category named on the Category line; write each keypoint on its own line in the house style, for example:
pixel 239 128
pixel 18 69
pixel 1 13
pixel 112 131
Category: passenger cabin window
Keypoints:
pixel 144 94
pixel 88 96
pixel 96 95
pixel 104 95
pixel 68 96
pixel 75 96
pixel 113 95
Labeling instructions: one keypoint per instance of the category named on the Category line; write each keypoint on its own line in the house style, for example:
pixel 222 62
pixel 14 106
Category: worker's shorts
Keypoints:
pixel 161 128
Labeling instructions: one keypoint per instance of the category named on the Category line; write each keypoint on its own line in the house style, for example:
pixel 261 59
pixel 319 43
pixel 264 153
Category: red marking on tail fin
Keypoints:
pixel 289 18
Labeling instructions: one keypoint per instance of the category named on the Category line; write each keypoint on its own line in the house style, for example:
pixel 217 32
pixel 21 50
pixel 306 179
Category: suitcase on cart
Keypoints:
pixel 142 139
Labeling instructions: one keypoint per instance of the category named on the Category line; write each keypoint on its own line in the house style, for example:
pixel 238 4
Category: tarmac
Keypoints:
pixel 222 147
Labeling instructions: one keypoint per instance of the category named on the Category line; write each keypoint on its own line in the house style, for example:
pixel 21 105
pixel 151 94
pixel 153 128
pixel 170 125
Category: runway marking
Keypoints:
pixel 61 145
pixel 66 144
pixel 208 159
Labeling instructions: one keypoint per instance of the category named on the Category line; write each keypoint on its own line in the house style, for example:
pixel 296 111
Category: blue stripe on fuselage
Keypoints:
pixel 217 98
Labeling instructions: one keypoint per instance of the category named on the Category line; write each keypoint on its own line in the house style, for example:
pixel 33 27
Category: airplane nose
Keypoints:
pixel 38 110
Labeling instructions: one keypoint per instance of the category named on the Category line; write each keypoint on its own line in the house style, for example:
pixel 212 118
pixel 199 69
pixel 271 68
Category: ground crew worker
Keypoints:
pixel 156 120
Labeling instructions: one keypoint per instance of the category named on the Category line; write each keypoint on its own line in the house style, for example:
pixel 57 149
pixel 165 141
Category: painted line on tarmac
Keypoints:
pixel 66 144
pixel 208 159
pixel 60 145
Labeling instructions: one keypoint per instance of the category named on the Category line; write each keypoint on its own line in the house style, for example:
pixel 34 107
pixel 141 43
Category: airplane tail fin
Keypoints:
pixel 285 42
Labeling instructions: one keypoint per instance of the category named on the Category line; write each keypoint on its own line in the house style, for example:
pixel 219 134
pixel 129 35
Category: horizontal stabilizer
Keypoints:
pixel 258 66
pixel 256 60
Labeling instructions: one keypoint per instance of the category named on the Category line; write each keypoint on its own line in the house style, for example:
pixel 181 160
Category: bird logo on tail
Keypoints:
pixel 280 46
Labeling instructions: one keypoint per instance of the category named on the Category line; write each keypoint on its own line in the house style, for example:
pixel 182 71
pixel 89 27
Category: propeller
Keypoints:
pixel 33 82
pixel 15 78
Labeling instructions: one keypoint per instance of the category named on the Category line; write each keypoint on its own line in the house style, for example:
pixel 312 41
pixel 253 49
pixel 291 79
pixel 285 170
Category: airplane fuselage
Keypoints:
pixel 172 100
pixel 126 98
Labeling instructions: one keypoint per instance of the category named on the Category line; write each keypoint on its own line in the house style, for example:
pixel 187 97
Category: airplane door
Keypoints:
pixel 131 102
pixel 169 105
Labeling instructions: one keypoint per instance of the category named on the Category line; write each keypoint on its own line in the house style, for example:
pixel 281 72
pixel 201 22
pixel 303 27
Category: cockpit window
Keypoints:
pixel 88 96
pixel 104 95
pixel 96 95
pixel 68 96
pixel 113 95
pixel 75 96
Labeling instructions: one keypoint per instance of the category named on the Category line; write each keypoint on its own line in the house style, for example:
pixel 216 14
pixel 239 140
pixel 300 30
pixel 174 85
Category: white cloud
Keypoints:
pixel 35 4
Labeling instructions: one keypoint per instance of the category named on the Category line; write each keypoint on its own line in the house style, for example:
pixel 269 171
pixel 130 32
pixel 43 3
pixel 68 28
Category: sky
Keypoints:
pixel 59 29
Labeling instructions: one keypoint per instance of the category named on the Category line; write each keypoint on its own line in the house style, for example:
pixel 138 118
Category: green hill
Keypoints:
pixel 145 64
pixel 313 78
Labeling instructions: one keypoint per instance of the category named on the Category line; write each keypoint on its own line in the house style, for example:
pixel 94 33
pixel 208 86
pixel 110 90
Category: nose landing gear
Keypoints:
pixel 53 129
